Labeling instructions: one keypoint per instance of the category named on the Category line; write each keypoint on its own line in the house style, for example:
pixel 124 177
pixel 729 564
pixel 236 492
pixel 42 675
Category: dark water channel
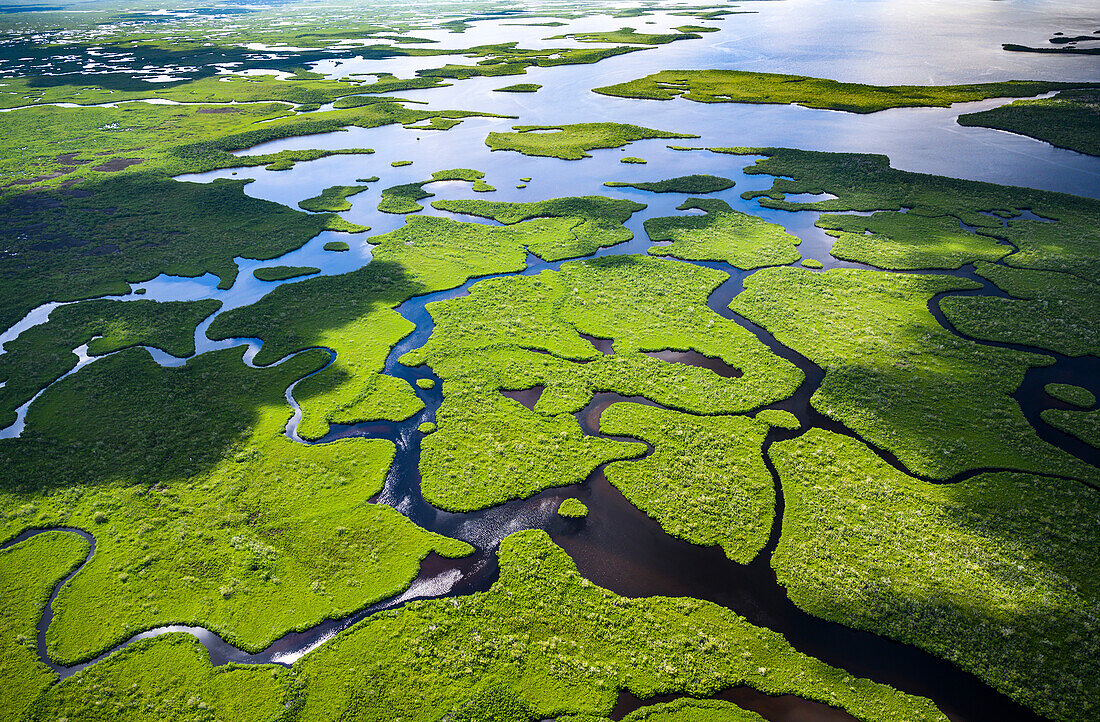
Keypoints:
pixel 620 548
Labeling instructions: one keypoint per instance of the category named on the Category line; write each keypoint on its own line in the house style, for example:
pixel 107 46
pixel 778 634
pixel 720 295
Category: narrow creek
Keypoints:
pixel 617 546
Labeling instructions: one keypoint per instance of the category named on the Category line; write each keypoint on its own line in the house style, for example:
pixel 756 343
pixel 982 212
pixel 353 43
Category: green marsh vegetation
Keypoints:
pixel 1085 425
pixel 302 90
pixel 630 36
pixel 30 570
pixel 169 677
pixel 1068 120
pixel 575 226
pixel 691 184
pixel 705 482
pixel 571 142
pixel 1064 238
pixel 403 198
pixel 488 449
pixel 572 508
pixel 332 199
pixel 186 229
pixel 1076 395
pixel 337 246
pixel 633 160
pixel 179 494
pixel 681 710
pixel 506 59
pixel 722 234
pixel 353 315
pixel 284 273
pixel 521 332
pixel 53 147
pixel 997 573
pixel 519 88
pixel 545 642
pixel 1055 311
pixel 899 241
pixel 73 246
pixel 43 353
pixel 738 86
pixel 893 374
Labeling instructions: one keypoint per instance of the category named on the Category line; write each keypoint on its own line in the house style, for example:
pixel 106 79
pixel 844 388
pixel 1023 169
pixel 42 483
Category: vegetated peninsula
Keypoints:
pixel 738 86
pixel 1071 119
pixel 692 184
pixel 571 142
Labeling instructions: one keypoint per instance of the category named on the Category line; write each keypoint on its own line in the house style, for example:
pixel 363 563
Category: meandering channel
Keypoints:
pixel 617 546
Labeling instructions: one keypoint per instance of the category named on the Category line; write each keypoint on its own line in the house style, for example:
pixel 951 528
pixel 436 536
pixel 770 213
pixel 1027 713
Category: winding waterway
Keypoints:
pixel 617 546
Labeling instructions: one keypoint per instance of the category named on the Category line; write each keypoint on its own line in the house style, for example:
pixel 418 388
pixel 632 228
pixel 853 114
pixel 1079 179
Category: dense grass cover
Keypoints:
pixel 705 482
pixel 170 678
pixel 332 199
pixel 284 273
pixel 51 146
pixel 997 573
pixel 403 198
pixel 544 642
pixel 1085 425
pixel 1068 120
pixel 905 241
pixel 685 709
pixel 70 247
pixel 204 513
pixel 521 332
pixel 629 36
pixel 691 184
pixel 303 88
pixel 739 86
pixel 632 160
pixel 693 710
pixel 353 313
pixel 337 246
pixel 572 509
pixel 1066 242
pixel 1076 395
pixel 506 59
pixel 940 403
pixel 43 353
pixel 488 449
pixel 583 225
pixel 723 234
pixel 30 570
pixel 1055 311
pixel 519 88
pixel 570 142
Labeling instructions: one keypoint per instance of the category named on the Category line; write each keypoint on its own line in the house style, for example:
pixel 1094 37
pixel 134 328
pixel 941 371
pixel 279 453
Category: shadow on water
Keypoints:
pixel 618 547
pixel 783 708
pixel 1031 395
